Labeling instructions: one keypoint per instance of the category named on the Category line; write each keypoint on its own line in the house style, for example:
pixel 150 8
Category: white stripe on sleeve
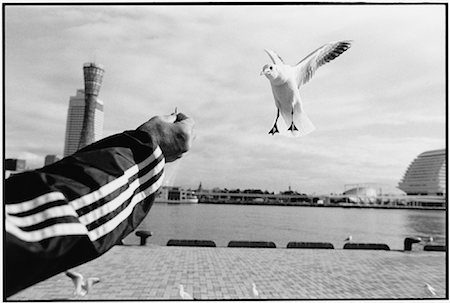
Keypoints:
pixel 31 204
pixel 113 223
pixel 109 207
pixel 60 229
pixel 115 184
pixel 49 213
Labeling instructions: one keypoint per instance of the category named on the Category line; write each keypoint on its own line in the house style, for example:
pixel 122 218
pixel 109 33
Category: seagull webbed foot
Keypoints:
pixel 274 130
pixel 292 127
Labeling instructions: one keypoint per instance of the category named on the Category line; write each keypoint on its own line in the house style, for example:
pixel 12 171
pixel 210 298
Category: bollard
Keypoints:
pixel 252 244
pixel 409 242
pixel 430 247
pixel 143 234
pixel 314 245
pixel 198 243
pixel 373 246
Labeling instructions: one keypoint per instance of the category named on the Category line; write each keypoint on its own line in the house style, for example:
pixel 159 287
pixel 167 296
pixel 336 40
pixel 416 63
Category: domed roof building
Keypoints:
pixel 362 194
pixel 426 175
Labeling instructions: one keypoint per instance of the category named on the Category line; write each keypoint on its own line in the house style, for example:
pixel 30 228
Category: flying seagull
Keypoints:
pixel 348 239
pixel 184 295
pixel 286 81
pixel 82 285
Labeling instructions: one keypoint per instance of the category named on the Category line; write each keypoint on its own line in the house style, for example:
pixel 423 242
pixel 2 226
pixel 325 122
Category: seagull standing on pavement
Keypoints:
pixel 254 291
pixel 286 81
pixel 430 291
pixel 82 285
pixel 426 240
pixel 184 295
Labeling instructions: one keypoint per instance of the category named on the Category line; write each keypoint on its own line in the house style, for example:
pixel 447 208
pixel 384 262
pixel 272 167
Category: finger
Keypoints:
pixel 181 117
pixel 169 118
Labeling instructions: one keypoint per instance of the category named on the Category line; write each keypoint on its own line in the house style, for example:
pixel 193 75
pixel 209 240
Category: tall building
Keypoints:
pixel 15 164
pixel 426 175
pixel 74 122
pixel 93 77
pixel 50 159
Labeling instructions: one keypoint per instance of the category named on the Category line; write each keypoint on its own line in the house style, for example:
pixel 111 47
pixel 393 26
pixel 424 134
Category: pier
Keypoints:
pixel 133 272
pixel 331 200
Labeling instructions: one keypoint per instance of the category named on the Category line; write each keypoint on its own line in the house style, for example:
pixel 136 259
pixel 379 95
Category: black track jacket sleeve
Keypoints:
pixel 76 209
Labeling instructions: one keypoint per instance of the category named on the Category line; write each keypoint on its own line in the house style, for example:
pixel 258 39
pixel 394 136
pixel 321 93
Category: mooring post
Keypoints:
pixel 409 242
pixel 143 234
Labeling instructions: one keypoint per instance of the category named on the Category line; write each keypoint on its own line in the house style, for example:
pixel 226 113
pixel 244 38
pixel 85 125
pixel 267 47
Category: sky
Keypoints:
pixel 375 108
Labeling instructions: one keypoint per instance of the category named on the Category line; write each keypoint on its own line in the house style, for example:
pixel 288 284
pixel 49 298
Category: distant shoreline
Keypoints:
pixel 322 205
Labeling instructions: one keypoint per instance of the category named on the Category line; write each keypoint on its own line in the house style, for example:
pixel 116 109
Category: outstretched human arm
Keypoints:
pixel 76 209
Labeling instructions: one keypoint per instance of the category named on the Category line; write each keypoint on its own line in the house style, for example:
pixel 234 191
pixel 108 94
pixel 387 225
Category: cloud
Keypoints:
pixel 375 107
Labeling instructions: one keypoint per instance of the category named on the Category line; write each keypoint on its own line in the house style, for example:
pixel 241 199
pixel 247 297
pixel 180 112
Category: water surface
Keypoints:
pixel 283 224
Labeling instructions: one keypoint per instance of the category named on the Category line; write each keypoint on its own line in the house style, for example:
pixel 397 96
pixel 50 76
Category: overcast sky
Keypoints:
pixel 375 108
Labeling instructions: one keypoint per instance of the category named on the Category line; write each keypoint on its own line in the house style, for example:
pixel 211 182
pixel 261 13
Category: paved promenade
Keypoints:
pixel 155 272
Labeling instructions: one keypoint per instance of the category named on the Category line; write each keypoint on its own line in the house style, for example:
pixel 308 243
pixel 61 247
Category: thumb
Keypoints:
pixel 169 118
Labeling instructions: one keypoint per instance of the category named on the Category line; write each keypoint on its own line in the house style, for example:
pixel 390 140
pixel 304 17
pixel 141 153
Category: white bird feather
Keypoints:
pixel 82 286
pixel 184 295
pixel 286 81
pixel 430 291
pixel 254 291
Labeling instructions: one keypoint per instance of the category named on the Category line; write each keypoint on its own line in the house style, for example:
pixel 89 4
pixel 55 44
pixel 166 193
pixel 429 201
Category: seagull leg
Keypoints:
pixel 274 129
pixel 292 127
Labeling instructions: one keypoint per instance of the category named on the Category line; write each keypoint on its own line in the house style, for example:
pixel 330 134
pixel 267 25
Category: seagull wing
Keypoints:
pixel 430 290
pixel 77 278
pixel 78 281
pixel 90 282
pixel 276 59
pixel 306 68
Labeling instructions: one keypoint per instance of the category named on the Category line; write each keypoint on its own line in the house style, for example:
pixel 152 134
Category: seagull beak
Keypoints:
pixel 261 73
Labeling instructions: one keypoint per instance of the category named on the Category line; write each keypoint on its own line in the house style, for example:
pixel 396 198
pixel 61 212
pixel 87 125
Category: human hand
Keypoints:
pixel 173 133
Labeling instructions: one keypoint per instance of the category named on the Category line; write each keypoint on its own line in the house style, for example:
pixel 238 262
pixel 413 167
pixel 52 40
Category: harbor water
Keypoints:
pixel 283 224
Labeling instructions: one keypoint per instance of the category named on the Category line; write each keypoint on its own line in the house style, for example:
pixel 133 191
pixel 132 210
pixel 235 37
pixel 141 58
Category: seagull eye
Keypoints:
pixel 271 68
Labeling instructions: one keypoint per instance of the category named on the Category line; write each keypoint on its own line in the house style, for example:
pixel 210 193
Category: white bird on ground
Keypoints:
pixel 430 291
pixel 184 295
pixel 286 81
pixel 348 239
pixel 428 239
pixel 82 286
pixel 254 291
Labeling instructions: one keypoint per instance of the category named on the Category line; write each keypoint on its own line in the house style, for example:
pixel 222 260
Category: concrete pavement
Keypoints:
pixel 155 272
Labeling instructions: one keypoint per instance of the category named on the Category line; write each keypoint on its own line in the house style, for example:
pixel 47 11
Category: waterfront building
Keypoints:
pixel 74 124
pixel 426 175
pixel 16 165
pixel 13 166
pixel 363 193
pixel 93 77
pixel 50 159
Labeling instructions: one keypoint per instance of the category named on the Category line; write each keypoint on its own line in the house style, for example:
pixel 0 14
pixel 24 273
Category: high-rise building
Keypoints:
pixel 426 175
pixel 15 164
pixel 93 77
pixel 74 122
pixel 50 159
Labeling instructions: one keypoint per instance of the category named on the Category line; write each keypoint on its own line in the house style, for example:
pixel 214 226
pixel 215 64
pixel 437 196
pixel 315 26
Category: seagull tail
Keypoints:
pixel 303 124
